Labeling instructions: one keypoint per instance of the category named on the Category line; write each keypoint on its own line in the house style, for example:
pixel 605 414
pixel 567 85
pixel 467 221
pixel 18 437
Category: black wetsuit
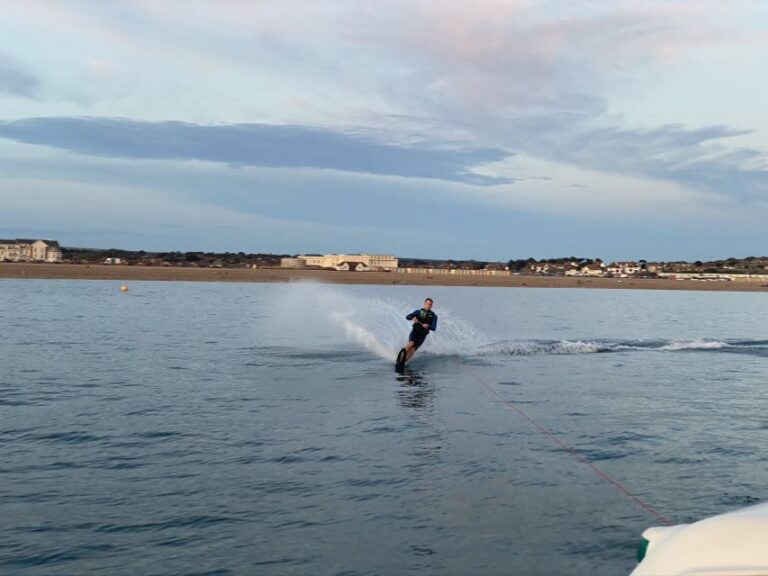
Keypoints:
pixel 418 332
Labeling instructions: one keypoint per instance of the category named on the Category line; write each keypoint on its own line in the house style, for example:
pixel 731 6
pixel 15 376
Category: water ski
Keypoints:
pixel 400 362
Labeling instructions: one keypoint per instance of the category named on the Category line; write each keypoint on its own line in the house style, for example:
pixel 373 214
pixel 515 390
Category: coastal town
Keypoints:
pixel 50 251
pixel 26 250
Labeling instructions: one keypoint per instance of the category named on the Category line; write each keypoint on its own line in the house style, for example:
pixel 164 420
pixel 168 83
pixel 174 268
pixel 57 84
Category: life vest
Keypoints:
pixel 426 316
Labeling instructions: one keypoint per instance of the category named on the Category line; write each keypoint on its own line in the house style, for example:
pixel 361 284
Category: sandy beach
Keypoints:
pixel 149 273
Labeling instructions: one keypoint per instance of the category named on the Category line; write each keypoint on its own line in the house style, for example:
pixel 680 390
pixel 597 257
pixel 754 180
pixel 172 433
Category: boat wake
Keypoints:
pixel 536 347
pixel 378 325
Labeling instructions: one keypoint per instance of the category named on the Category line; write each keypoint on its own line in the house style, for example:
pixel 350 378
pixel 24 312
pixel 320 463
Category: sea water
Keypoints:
pixel 193 428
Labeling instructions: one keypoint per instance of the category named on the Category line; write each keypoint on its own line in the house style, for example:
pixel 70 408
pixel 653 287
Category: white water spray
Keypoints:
pixel 378 325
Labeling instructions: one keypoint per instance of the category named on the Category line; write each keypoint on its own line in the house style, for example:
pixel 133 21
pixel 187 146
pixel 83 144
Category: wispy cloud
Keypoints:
pixel 699 157
pixel 16 81
pixel 254 145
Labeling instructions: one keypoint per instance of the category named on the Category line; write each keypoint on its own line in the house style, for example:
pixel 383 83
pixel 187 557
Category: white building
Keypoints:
pixel 352 266
pixel 23 250
pixel 594 269
pixel 623 269
pixel 573 269
pixel 369 261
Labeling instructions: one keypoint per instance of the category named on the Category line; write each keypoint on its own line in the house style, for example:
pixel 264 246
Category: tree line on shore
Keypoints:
pixel 751 264
pixel 192 259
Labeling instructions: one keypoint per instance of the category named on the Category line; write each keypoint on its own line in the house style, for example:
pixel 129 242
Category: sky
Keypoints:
pixel 491 129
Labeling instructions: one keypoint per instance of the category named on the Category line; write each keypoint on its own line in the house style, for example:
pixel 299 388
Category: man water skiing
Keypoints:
pixel 424 321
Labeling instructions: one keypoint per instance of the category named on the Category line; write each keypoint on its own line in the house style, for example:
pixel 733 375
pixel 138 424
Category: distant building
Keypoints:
pixel 343 262
pixel 654 267
pixel 293 263
pixel 623 269
pixel 454 271
pixel 114 261
pixel 572 269
pixel 24 250
pixel 677 267
pixel 539 268
pixel 348 266
pixel 553 269
pixel 498 266
pixel 594 269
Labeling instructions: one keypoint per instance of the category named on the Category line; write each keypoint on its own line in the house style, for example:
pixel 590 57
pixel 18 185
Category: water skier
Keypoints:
pixel 424 321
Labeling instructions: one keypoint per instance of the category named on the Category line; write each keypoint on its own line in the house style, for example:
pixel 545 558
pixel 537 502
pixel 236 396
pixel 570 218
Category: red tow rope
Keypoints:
pixel 572 451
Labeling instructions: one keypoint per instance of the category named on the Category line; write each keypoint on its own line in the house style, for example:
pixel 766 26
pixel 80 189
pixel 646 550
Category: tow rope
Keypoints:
pixel 510 405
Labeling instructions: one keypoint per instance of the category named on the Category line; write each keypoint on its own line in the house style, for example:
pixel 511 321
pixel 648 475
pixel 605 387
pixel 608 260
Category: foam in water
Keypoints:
pixel 527 348
pixel 694 345
pixel 533 347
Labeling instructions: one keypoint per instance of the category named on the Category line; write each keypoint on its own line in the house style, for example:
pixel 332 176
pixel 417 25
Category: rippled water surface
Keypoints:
pixel 187 428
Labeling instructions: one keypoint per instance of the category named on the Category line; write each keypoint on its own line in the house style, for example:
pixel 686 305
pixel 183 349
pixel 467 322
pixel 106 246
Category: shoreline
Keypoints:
pixel 118 273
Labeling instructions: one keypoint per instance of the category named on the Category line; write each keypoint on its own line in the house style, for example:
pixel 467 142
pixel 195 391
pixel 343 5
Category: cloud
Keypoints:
pixel 165 204
pixel 306 195
pixel 347 111
pixel 604 195
pixel 515 78
pixel 205 206
pixel 254 145
pixel 699 158
pixel 16 81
